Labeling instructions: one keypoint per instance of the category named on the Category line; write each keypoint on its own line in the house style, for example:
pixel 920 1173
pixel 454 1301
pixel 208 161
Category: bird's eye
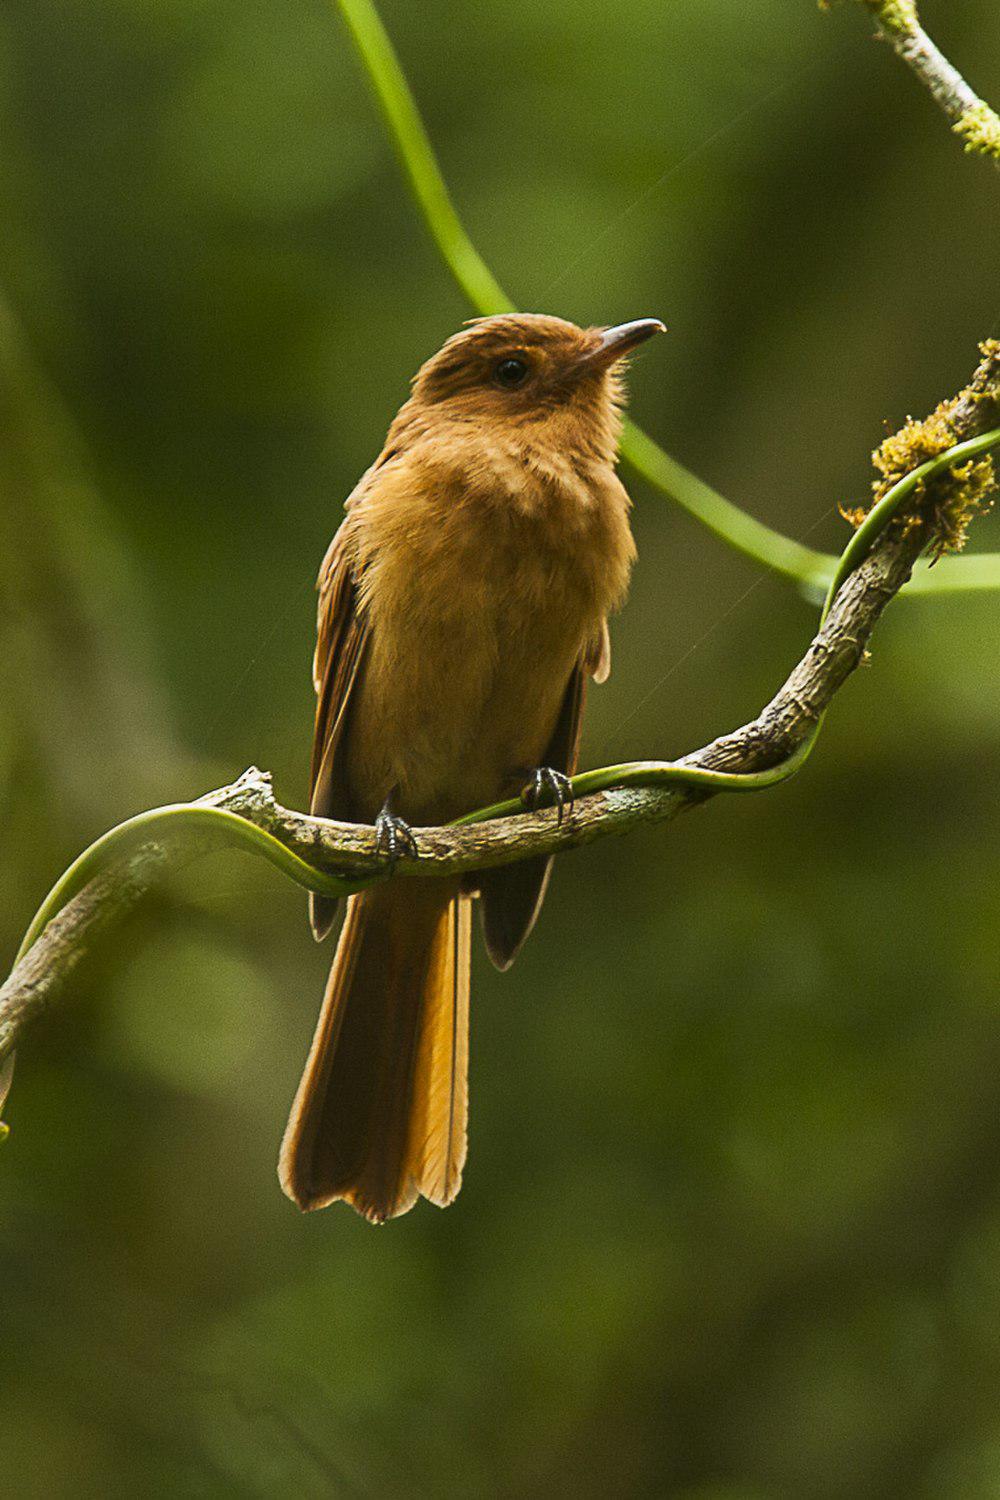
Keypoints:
pixel 511 373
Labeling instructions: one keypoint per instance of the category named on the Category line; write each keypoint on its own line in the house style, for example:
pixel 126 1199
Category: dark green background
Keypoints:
pixel 731 1222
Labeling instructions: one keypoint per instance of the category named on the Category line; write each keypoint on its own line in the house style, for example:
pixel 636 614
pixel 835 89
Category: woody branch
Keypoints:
pixel 349 850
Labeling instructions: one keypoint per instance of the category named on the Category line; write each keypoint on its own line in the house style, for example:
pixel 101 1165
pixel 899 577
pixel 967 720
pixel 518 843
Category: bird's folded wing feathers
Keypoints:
pixel 341 638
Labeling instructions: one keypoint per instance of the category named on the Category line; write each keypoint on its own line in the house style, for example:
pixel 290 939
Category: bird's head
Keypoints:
pixel 516 370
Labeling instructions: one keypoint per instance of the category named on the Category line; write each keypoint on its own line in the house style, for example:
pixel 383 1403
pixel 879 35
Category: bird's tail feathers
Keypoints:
pixel 381 1112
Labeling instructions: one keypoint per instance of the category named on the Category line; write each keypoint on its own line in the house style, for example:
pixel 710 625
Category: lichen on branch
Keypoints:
pixel 952 500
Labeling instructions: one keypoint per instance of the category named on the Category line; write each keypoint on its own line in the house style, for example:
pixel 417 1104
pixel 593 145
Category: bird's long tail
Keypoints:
pixel 380 1114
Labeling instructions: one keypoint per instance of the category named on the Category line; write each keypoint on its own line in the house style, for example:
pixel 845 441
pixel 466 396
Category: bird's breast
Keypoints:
pixel 480 598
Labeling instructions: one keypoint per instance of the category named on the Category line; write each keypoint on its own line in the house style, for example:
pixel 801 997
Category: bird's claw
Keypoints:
pixel 548 788
pixel 393 838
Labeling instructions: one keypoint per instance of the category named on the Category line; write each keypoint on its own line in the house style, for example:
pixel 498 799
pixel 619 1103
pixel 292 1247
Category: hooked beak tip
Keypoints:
pixel 621 339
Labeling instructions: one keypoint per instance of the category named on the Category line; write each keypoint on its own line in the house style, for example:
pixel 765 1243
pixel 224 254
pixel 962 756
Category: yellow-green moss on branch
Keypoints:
pixel 979 128
pixel 915 513
pixel 963 491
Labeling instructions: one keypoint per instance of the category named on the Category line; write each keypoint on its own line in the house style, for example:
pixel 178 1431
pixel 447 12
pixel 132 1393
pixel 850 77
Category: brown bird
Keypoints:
pixel 462 606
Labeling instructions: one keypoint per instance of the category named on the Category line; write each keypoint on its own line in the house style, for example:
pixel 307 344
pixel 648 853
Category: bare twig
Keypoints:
pixel 975 121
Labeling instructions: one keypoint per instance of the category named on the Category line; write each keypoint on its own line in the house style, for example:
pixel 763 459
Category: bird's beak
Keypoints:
pixel 616 342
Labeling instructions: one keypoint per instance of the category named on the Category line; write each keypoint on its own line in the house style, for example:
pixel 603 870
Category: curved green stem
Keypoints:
pixel 217 824
pixel 416 157
pixel 975 574
pixel 663 773
pixel 811 571
pixel 220 825
pixel 227 828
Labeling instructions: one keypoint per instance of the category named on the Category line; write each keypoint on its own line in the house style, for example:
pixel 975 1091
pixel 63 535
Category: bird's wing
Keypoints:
pixel 512 895
pixel 341 638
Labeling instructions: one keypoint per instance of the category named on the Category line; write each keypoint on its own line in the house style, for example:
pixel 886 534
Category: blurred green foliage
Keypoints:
pixel 731 1222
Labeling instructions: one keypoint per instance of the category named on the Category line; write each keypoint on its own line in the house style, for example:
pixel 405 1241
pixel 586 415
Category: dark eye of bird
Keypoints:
pixel 511 373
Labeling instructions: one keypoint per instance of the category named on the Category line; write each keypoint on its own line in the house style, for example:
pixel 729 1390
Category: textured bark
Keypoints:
pixel 349 850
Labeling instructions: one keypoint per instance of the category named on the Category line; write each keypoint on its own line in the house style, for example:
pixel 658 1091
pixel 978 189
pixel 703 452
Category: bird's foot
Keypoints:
pixel 393 837
pixel 548 788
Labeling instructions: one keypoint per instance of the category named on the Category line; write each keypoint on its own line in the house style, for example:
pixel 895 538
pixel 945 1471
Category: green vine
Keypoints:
pixel 952 481
pixel 810 570
pixel 229 829
pixel 956 470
